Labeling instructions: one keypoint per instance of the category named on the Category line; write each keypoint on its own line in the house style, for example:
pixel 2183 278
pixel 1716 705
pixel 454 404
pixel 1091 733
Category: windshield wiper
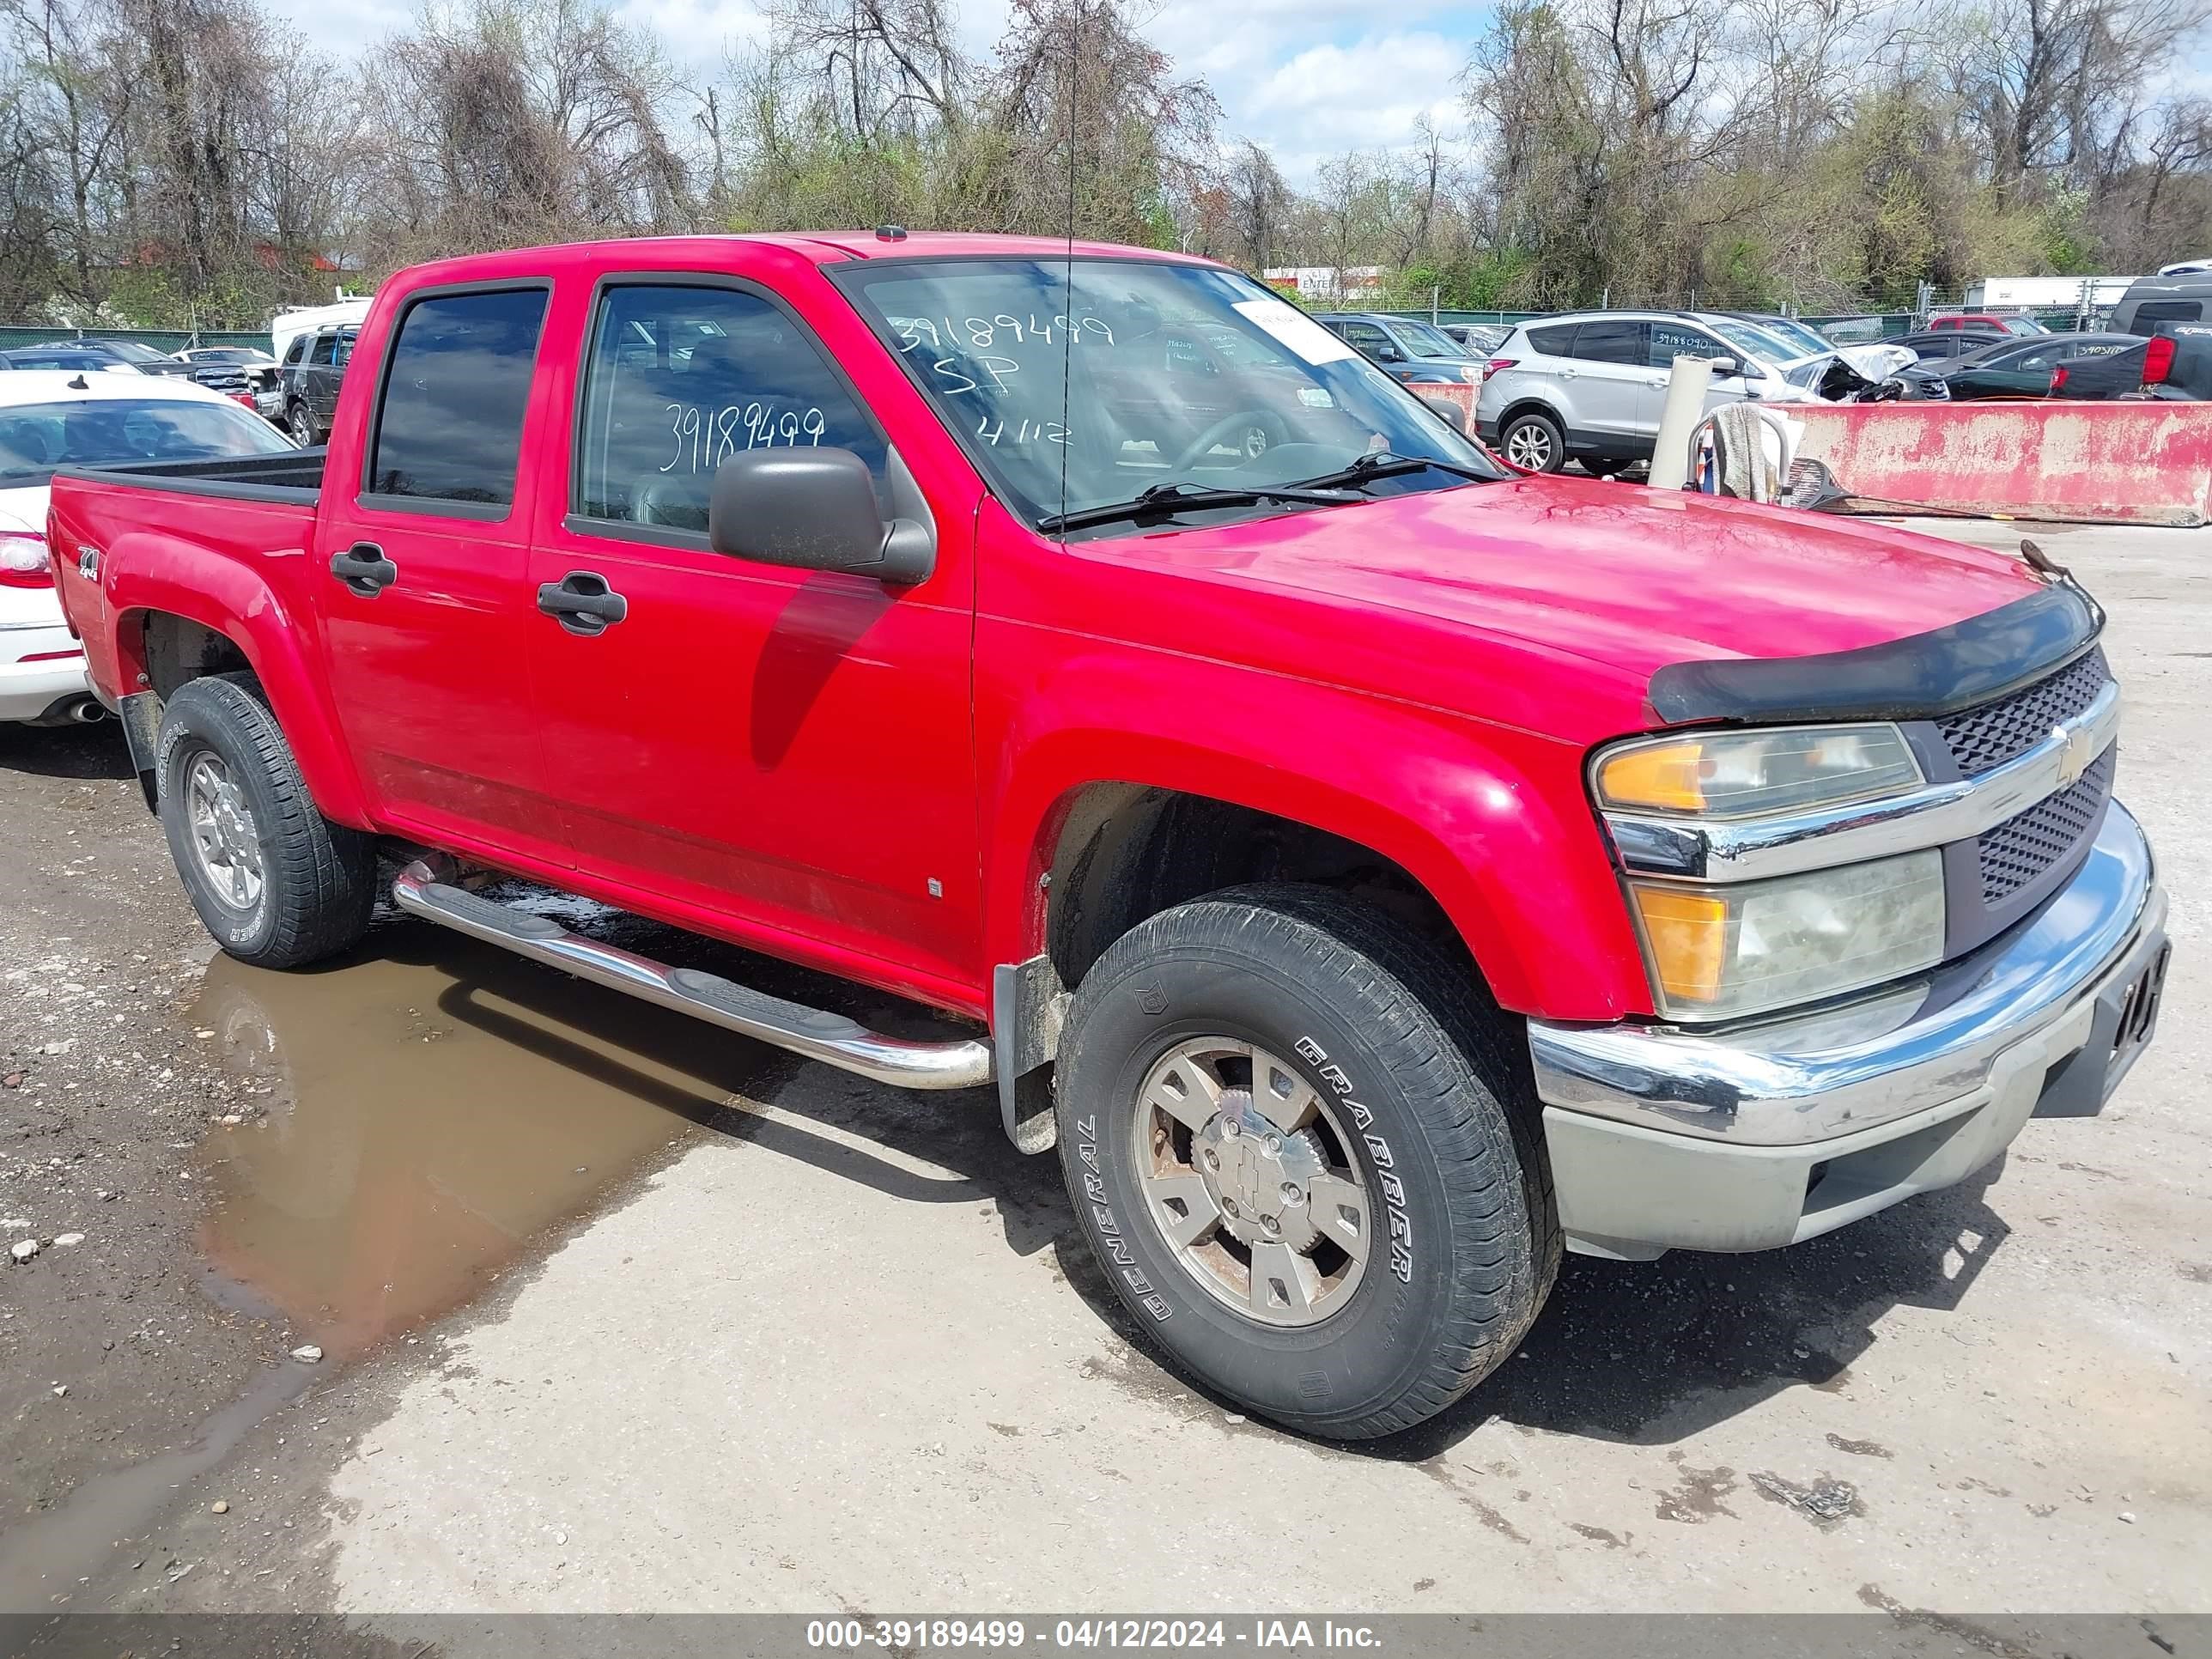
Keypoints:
pixel 1165 499
pixel 1381 464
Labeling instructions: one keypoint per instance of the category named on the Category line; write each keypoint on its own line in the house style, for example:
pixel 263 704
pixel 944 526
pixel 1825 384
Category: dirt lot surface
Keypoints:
pixel 618 1313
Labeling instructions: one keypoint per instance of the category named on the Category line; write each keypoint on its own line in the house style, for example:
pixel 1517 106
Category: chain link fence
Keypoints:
pixel 15 335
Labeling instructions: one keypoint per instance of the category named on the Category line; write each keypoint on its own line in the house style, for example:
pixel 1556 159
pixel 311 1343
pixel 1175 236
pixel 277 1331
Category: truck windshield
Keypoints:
pixel 1078 383
pixel 37 438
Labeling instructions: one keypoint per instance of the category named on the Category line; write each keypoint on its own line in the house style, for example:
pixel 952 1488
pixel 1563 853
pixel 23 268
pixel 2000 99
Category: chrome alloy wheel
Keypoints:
pixel 1529 446
pixel 1250 1179
pixel 225 840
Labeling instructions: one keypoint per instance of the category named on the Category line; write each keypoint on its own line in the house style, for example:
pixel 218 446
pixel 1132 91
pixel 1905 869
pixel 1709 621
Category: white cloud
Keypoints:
pixel 1368 95
pixel 1305 78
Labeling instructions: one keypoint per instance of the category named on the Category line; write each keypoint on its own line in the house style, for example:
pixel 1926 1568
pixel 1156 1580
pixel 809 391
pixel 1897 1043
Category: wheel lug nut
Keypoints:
pixel 1291 1196
pixel 1274 1143
pixel 1213 1158
pixel 1229 1206
pixel 1229 1128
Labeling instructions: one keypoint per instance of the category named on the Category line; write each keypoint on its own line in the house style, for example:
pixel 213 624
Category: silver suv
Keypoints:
pixel 1588 386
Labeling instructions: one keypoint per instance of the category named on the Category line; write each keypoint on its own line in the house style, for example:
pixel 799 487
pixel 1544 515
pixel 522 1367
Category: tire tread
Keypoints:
pixel 321 878
pixel 1445 1050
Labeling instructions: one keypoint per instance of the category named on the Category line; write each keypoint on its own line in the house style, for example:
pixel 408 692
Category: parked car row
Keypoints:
pixel 1590 386
pixel 64 417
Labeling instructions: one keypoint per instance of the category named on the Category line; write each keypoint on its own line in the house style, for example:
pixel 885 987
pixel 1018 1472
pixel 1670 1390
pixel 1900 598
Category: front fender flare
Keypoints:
pixel 1490 821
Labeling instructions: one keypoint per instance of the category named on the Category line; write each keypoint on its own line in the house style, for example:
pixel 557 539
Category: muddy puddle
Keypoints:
pixel 419 1114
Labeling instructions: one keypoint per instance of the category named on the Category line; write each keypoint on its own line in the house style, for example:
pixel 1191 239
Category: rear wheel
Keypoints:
pixel 297 422
pixel 276 883
pixel 1533 441
pixel 1305 1159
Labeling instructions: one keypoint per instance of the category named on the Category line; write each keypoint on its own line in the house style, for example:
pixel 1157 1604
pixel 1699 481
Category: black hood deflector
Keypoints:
pixel 1921 676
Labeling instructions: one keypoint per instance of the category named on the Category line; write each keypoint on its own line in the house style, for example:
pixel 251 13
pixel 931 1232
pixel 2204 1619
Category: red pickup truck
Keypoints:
pixel 1375 870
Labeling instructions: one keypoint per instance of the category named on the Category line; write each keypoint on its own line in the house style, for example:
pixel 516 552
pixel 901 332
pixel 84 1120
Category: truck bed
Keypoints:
pixel 294 476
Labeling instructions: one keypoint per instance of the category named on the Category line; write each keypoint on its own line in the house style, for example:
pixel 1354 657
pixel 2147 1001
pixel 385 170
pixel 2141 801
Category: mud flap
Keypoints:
pixel 1029 1006
pixel 140 714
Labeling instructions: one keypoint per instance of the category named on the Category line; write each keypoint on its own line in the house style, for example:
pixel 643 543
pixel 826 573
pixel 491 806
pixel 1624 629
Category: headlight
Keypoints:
pixel 1724 951
pixel 1734 774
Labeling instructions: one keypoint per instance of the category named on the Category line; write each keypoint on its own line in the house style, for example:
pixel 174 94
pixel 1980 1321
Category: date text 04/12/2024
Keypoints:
pixel 911 1634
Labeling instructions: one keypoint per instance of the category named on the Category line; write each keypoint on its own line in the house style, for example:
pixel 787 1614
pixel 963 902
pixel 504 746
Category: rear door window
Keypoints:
pixel 456 386
pixel 1612 341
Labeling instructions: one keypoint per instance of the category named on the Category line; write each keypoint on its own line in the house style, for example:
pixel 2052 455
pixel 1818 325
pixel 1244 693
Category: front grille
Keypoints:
pixel 222 377
pixel 2028 843
pixel 1985 737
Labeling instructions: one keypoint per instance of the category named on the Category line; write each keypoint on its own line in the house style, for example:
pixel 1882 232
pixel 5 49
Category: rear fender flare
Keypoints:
pixel 148 573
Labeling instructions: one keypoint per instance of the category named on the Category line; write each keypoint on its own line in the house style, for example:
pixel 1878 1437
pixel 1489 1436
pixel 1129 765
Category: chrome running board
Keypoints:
pixel 814 1032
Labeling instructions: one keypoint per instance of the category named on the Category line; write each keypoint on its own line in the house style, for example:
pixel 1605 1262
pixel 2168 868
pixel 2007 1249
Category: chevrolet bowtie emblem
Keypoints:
pixel 2078 750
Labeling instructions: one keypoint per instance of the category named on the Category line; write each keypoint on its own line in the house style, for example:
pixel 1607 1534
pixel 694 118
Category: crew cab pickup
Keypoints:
pixel 1373 869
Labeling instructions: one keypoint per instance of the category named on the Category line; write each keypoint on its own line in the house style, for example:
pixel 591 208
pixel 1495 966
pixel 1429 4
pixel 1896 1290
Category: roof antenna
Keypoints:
pixel 890 233
pixel 80 384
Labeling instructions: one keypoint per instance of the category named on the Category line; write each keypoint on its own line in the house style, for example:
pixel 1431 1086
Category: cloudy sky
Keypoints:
pixel 1307 78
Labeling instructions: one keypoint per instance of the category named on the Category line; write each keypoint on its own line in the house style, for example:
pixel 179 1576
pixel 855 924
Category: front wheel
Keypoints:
pixel 1305 1159
pixel 277 883
pixel 1534 441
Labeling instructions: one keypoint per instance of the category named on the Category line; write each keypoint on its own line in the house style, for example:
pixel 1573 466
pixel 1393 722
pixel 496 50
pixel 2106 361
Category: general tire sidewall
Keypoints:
pixel 193 730
pixel 1360 1358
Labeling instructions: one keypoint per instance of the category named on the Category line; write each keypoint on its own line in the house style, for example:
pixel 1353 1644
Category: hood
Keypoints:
pixel 1621 580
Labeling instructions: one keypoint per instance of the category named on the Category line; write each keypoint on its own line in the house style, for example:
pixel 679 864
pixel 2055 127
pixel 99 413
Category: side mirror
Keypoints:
pixel 1386 352
pixel 1723 366
pixel 815 509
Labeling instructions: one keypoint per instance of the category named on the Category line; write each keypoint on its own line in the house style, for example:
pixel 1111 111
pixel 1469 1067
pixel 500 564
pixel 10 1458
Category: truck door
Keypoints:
pixel 424 543
pixel 785 755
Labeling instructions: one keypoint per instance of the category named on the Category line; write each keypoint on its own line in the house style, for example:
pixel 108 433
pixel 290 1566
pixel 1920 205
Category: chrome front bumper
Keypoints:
pixel 1663 1138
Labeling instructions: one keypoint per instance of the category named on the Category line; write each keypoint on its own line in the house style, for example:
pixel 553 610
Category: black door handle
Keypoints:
pixel 364 569
pixel 582 603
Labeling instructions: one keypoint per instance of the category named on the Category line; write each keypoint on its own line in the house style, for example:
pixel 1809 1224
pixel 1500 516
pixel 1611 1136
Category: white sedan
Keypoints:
pixel 52 418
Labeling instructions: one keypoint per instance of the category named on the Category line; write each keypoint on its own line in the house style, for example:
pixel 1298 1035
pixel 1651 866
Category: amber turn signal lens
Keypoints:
pixel 1666 776
pixel 1687 935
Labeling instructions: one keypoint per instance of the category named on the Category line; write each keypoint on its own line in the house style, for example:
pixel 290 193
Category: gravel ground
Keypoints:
pixel 111 1351
pixel 619 1314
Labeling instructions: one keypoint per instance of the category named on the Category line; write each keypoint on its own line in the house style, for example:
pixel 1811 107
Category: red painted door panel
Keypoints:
pixel 781 756
pixel 428 670
pixel 769 747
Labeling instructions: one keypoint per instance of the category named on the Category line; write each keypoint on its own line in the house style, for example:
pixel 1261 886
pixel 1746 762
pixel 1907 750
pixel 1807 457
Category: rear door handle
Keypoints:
pixel 582 603
pixel 364 569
